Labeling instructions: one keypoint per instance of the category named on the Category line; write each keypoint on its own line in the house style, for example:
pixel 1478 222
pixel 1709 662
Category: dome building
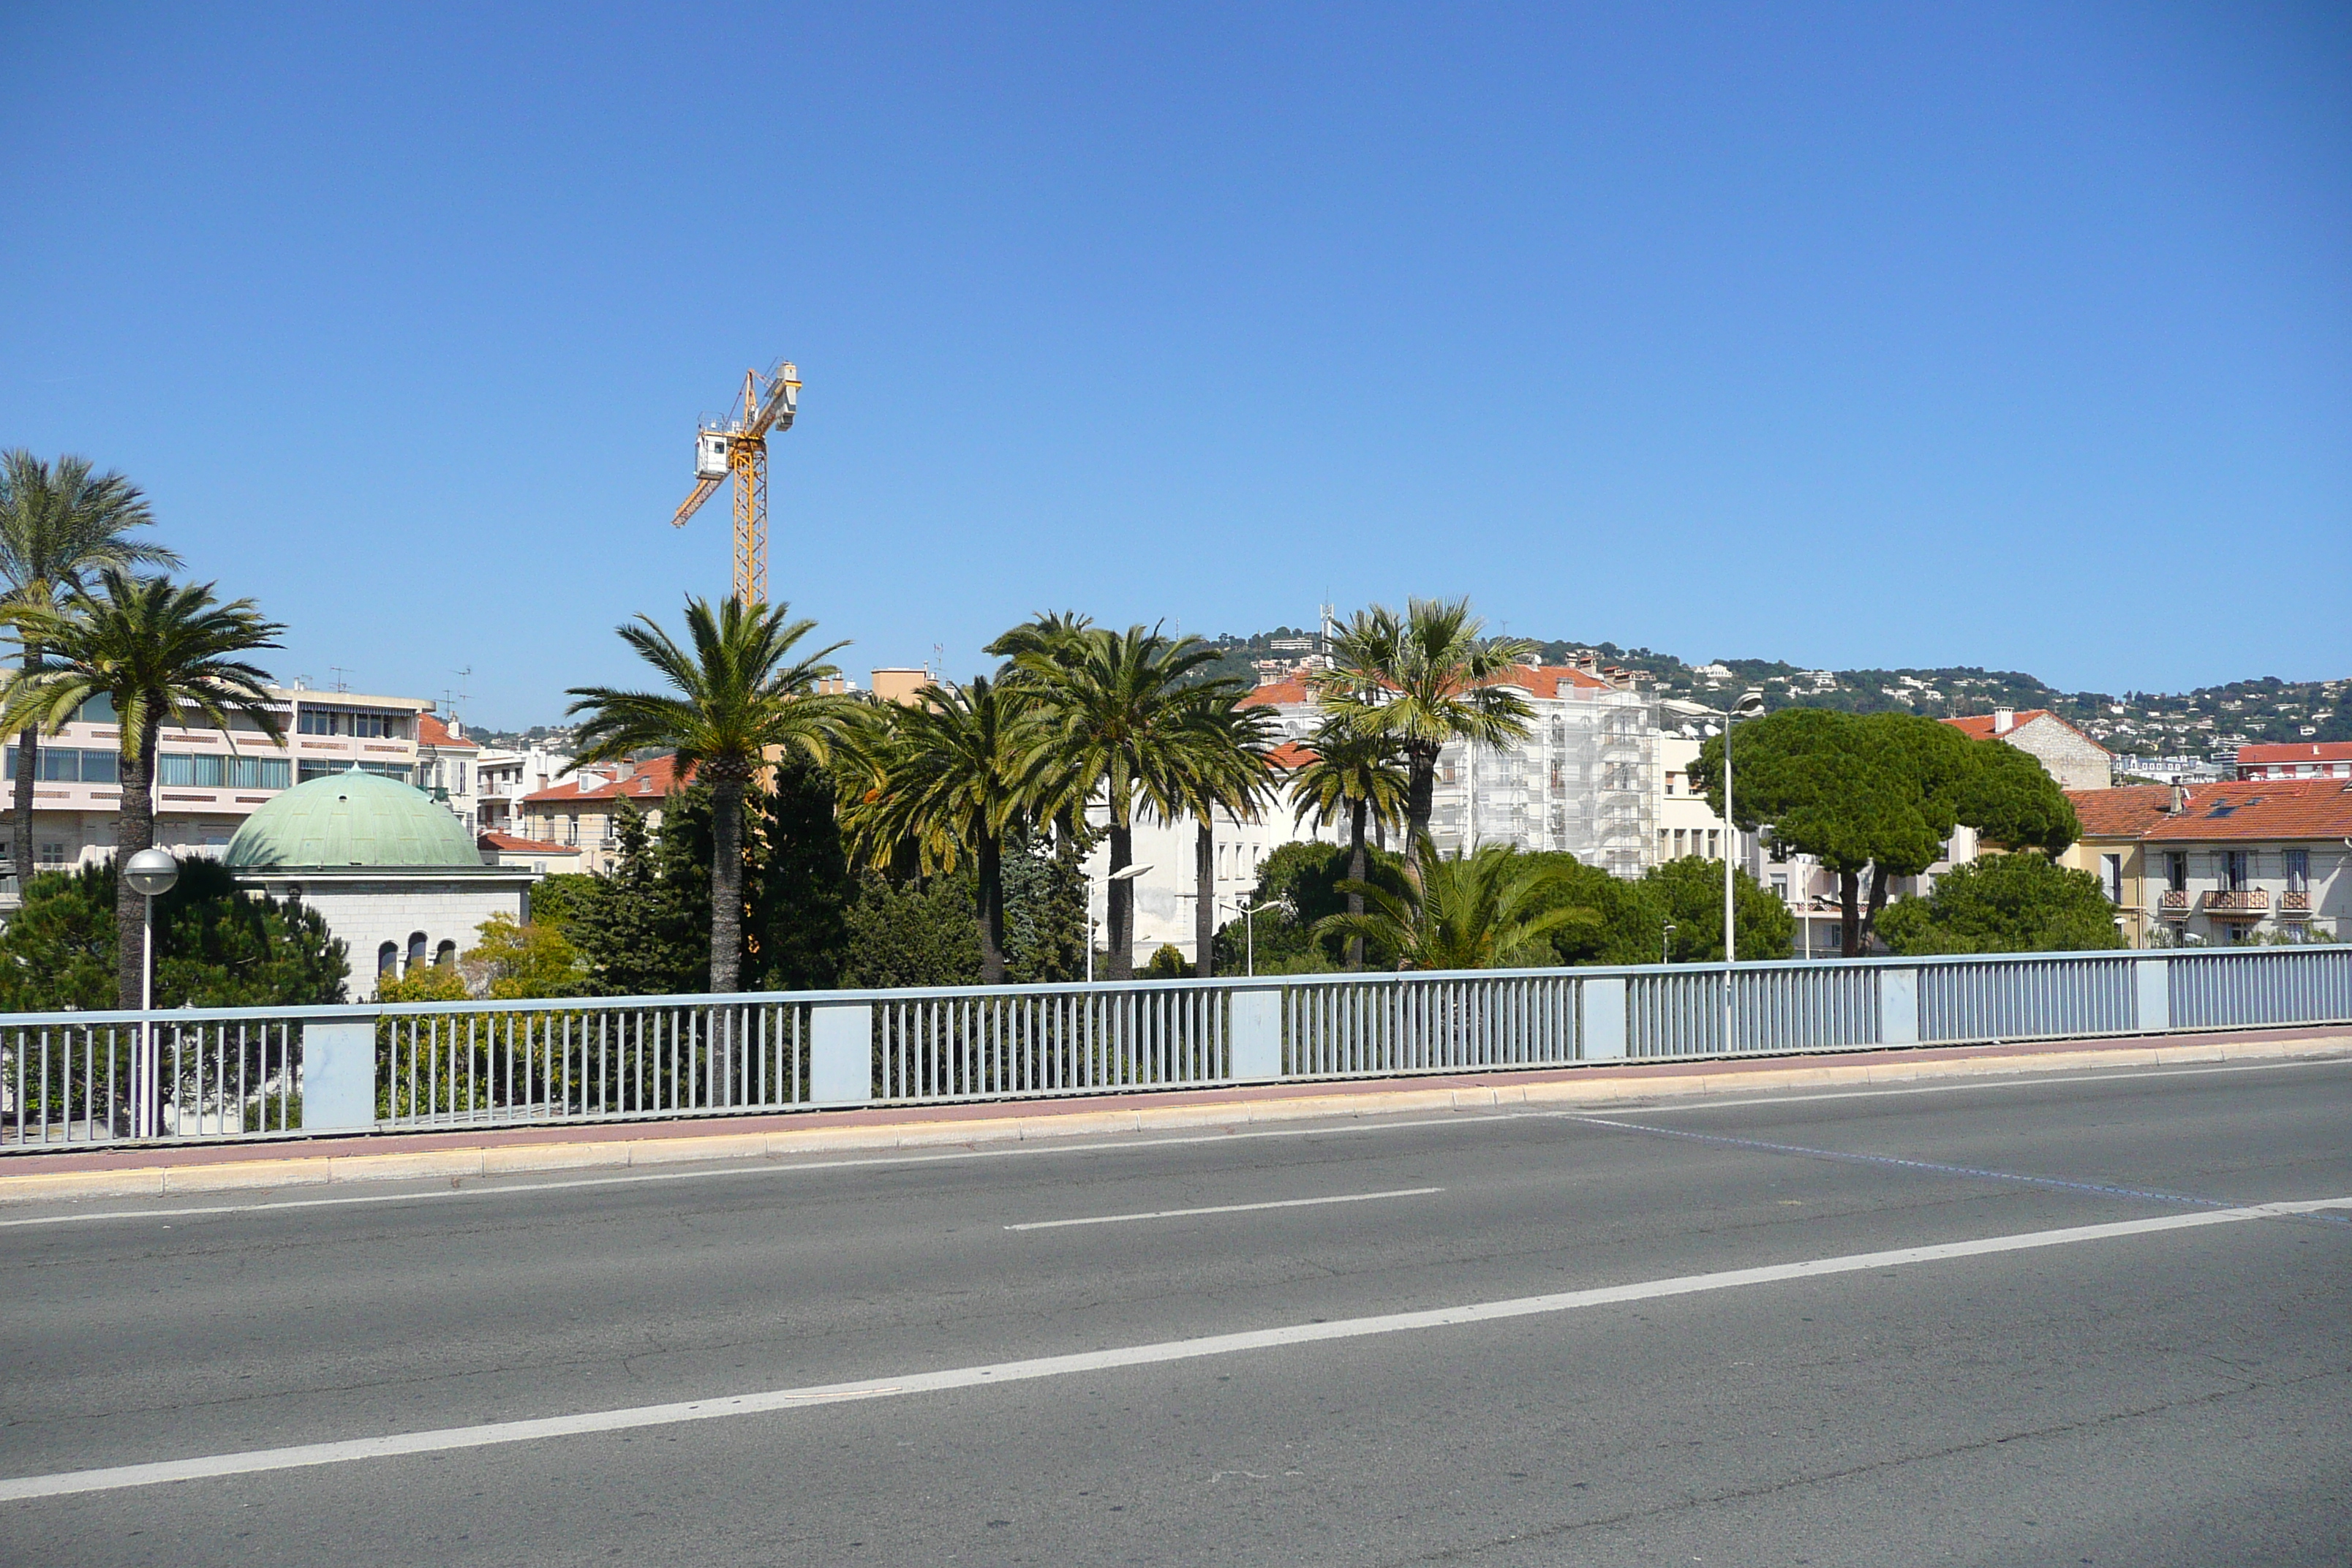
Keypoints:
pixel 394 874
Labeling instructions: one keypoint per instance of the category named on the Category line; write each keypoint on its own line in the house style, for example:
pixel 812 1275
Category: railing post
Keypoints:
pixel 339 1076
pixel 841 1053
pixel 2152 989
pixel 1601 1005
pixel 1898 1006
pixel 1256 1037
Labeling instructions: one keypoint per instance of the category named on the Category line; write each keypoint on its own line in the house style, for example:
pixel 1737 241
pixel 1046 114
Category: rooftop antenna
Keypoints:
pixel 340 674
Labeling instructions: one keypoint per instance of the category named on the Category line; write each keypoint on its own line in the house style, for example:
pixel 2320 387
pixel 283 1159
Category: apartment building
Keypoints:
pixel 2244 860
pixel 503 777
pixel 2254 860
pixel 448 766
pixel 207 781
pixel 2302 760
pixel 583 811
pixel 2113 848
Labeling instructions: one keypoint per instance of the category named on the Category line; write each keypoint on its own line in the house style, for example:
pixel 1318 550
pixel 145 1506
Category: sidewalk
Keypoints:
pixel 155 1171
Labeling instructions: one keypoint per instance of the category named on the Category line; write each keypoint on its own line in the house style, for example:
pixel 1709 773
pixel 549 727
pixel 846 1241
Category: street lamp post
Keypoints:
pixel 1666 943
pixel 1750 703
pixel 151 873
pixel 1249 934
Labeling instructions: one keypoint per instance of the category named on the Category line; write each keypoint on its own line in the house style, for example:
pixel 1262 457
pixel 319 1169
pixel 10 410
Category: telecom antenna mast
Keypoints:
pixel 736 444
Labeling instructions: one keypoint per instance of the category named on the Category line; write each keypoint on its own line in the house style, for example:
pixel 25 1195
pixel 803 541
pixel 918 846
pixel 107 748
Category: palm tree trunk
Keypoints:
pixel 134 830
pixel 29 756
pixel 1204 898
pixel 992 910
pixel 1421 799
pixel 1356 870
pixel 1119 916
pixel 726 884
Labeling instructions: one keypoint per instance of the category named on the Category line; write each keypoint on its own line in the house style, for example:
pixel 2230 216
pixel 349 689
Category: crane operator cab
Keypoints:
pixel 711 455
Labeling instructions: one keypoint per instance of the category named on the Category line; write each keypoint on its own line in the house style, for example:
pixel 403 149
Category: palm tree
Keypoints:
pixel 738 698
pixel 1422 679
pixel 1487 909
pixel 1115 716
pixel 58 527
pixel 1356 775
pixel 1056 637
pixel 160 652
pixel 950 775
pixel 1220 766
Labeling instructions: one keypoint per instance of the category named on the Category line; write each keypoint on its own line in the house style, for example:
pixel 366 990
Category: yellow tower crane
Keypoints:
pixel 737 444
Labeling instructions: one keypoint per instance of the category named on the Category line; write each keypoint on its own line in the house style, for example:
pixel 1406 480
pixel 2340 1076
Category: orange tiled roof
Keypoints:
pixel 1290 756
pixel 2300 751
pixel 651 781
pixel 1980 725
pixel 431 730
pixel 2261 809
pixel 512 845
pixel 2127 812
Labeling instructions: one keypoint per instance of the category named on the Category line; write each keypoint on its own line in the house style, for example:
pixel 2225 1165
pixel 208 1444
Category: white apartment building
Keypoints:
pixel 206 782
pixel 448 766
pixel 502 777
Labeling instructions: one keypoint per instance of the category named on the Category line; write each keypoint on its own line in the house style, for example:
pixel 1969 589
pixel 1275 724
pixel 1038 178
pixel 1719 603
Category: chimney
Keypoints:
pixel 2004 720
pixel 2179 798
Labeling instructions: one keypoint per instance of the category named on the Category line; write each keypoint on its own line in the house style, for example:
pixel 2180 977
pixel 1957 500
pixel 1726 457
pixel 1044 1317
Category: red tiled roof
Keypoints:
pixel 432 731
pixel 1290 756
pixel 651 781
pixel 2126 812
pixel 2262 809
pixel 1980 725
pixel 2300 751
pixel 512 845
pixel 1542 680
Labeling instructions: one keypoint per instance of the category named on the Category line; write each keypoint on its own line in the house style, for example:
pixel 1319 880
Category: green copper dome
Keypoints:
pixel 351 819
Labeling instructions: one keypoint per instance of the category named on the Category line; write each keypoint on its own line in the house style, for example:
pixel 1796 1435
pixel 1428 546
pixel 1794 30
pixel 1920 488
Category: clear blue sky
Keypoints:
pixel 1866 335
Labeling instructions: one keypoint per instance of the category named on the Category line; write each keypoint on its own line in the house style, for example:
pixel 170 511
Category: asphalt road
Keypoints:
pixel 2173 1388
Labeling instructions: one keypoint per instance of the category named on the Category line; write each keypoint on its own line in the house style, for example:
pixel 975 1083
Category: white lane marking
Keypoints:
pixel 1227 1208
pixel 1731 1100
pixel 447 1439
pixel 774 1166
pixel 769 1166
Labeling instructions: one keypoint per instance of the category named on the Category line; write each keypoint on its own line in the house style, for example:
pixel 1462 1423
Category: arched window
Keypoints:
pixel 445 955
pixel 416 949
pixel 387 960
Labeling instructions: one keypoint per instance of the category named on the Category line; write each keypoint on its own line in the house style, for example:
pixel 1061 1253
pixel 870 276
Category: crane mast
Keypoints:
pixel 735 445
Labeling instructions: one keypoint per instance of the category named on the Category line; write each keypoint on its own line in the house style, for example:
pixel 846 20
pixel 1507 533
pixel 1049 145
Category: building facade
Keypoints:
pixel 504 776
pixel 2065 753
pixel 2303 759
pixel 2243 861
pixel 207 781
pixel 583 811
pixel 448 767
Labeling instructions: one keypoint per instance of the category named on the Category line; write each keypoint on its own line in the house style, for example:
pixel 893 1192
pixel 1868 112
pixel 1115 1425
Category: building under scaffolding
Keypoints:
pixel 1584 780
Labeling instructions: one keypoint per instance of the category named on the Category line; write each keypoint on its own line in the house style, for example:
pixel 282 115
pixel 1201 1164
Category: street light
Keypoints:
pixel 1249 933
pixel 151 873
pixel 1125 874
pixel 1750 703
pixel 1666 943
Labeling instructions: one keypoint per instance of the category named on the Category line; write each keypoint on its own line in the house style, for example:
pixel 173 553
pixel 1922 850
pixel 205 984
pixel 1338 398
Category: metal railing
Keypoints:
pixel 82 1079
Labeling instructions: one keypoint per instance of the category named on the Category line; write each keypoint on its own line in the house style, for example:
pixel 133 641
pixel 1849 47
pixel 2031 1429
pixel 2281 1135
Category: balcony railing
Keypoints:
pixel 2175 905
pixel 2295 902
pixel 2237 903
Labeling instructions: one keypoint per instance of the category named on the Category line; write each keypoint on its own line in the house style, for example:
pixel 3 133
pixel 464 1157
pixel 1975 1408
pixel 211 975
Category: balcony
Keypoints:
pixel 2237 904
pixel 2295 903
pixel 2175 904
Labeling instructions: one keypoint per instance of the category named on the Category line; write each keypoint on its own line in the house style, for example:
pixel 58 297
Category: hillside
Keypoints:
pixel 2210 721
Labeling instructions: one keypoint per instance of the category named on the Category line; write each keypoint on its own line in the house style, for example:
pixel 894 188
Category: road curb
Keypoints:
pixel 1020 1126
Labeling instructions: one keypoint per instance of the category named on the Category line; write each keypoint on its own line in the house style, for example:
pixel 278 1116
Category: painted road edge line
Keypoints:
pixel 1227 1208
pixel 448 1440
